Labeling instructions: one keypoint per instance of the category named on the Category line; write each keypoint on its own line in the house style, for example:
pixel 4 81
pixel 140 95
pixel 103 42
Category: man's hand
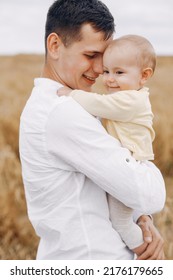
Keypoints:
pixel 154 250
pixel 64 91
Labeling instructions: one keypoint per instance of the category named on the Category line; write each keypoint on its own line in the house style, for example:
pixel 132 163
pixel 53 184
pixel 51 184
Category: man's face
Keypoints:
pixel 79 64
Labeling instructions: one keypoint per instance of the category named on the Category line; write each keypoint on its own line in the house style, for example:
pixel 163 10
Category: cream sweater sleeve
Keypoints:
pixel 119 106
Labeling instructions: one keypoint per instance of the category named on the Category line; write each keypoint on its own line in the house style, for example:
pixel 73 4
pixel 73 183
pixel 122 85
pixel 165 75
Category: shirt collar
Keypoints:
pixel 45 82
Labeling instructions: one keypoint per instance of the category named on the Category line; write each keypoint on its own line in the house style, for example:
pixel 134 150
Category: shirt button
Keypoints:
pixel 127 159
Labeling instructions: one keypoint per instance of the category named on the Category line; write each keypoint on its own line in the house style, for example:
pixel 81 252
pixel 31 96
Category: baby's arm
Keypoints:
pixel 117 106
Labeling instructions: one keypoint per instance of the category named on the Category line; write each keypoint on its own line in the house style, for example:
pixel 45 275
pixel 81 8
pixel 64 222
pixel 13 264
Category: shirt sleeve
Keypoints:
pixel 80 140
pixel 119 106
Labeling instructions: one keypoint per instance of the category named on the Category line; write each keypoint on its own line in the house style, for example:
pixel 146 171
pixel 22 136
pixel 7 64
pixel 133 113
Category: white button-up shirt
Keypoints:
pixel 69 162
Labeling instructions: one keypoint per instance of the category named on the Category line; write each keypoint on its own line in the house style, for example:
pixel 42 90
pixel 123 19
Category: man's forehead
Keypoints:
pixel 88 33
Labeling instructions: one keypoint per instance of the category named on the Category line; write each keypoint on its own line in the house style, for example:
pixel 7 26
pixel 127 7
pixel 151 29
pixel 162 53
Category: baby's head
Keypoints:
pixel 128 62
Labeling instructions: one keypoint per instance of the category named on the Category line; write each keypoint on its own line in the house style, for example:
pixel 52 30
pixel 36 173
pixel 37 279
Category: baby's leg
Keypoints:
pixel 122 221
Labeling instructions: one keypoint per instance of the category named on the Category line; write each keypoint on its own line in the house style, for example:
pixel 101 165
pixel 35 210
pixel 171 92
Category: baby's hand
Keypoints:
pixel 64 91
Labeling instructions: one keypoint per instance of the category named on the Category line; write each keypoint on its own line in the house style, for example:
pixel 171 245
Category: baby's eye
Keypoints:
pixel 105 72
pixel 119 72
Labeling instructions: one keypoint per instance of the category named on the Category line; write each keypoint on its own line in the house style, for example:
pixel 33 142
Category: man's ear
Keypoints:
pixel 53 44
pixel 146 74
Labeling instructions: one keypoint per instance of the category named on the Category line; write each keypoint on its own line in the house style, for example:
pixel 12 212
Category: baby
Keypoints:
pixel 128 63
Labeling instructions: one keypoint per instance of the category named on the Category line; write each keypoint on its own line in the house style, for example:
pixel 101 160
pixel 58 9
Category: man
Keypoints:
pixel 62 146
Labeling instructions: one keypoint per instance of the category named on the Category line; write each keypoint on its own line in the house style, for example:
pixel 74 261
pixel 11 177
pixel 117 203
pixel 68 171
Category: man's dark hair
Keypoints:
pixel 66 17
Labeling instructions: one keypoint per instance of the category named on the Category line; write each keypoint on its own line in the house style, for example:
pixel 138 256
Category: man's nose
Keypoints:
pixel 98 65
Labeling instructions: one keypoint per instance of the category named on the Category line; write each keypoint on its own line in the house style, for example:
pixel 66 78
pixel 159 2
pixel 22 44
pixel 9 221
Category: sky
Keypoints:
pixel 22 23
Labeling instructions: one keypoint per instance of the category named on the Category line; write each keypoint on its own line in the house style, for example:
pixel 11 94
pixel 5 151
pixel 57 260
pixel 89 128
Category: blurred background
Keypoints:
pixel 21 59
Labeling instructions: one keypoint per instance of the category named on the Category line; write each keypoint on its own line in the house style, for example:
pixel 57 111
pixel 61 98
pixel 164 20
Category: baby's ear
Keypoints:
pixel 146 74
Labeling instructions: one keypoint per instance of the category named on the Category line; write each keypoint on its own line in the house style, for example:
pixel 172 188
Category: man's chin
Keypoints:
pixel 86 88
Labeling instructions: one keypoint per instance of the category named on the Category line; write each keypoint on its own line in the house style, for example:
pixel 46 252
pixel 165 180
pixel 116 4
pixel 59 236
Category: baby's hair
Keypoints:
pixel 145 52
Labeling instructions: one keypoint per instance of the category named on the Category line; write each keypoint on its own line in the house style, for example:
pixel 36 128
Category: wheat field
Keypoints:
pixel 17 237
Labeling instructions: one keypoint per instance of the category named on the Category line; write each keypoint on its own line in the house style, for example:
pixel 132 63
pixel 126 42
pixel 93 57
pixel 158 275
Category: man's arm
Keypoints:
pixel 82 142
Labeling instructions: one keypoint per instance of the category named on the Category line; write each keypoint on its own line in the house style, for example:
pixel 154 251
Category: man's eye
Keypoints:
pixel 90 55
